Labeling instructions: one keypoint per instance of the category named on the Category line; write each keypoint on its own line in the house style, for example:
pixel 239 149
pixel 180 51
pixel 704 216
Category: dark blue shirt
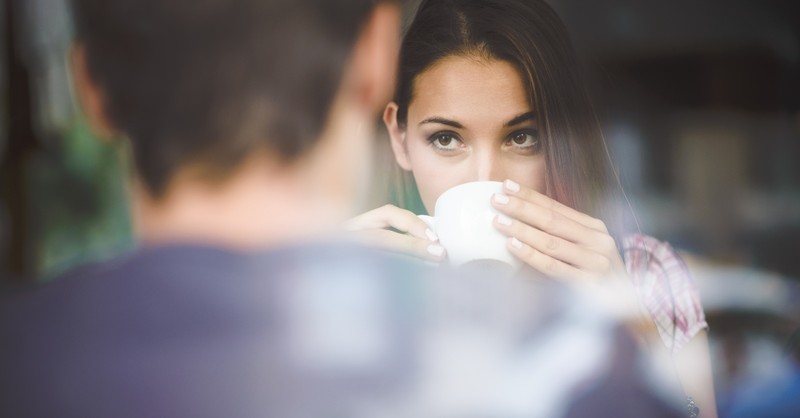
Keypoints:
pixel 321 331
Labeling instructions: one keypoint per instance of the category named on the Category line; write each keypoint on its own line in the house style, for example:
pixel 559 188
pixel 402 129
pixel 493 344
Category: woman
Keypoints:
pixel 489 90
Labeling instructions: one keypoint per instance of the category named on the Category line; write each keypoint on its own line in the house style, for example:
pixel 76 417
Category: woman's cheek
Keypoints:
pixel 530 174
pixel 433 176
pixel 431 185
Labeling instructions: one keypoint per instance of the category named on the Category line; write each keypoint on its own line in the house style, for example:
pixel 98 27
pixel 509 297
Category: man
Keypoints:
pixel 249 123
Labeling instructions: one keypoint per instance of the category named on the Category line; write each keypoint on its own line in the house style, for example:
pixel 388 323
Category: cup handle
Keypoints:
pixel 429 220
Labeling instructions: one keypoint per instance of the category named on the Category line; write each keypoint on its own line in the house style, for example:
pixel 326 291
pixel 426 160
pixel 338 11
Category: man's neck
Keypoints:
pixel 258 206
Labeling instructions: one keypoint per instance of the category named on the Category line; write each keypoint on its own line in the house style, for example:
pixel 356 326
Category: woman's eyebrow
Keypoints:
pixel 443 121
pixel 519 119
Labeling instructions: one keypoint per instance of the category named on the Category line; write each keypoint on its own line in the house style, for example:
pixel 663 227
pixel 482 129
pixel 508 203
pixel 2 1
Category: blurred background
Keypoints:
pixel 700 103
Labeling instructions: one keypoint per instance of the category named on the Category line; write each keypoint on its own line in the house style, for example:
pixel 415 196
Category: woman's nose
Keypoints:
pixel 489 167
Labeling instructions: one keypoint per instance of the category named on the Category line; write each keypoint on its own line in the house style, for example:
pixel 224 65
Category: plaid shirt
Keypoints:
pixel 666 289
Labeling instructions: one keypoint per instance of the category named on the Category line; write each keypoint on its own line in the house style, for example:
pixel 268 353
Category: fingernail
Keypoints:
pixel 516 243
pixel 350 227
pixel 435 250
pixel 501 199
pixel 431 235
pixel 503 220
pixel 512 186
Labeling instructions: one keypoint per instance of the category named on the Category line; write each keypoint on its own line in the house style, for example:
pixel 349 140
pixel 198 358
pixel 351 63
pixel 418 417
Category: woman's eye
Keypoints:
pixel 526 140
pixel 445 142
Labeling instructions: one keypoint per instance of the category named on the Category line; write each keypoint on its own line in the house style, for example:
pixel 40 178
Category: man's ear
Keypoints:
pixel 89 95
pixel 374 59
pixel 397 135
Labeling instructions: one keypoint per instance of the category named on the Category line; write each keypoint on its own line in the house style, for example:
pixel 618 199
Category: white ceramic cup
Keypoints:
pixel 463 219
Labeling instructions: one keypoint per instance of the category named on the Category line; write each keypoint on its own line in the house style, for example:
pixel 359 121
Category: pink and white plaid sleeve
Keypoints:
pixel 666 289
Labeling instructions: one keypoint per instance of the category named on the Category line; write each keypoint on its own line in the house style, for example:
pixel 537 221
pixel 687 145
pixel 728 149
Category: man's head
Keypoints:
pixel 203 86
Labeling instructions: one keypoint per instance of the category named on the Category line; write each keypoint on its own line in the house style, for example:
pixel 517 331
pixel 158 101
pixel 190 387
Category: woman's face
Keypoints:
pixel 469 120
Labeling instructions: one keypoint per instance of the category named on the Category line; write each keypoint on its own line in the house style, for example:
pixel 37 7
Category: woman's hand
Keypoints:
pixel 414 236
pixel 555 239
pixel 568 245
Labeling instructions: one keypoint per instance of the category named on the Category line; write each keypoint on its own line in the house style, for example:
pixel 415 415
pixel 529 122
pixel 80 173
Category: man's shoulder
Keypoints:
pixel 159 312
pixel 197 262
pixel 160 285
pixel 204 268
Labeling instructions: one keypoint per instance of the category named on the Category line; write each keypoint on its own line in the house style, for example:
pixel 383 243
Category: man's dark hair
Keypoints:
pixel 209 81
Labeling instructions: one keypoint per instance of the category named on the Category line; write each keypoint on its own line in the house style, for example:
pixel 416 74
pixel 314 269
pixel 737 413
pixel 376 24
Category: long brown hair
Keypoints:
pixel 530 35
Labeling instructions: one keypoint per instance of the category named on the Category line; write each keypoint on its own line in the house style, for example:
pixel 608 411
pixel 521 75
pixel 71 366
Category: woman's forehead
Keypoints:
pixel 469 89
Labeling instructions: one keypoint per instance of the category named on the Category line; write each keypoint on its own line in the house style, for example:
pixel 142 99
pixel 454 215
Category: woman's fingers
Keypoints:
pixel 544 263
pixel 390 216
pixel 514 189
pixel 552 222
pixel 414 236
pixel 553 246
pixel 401 243
pixel 550 229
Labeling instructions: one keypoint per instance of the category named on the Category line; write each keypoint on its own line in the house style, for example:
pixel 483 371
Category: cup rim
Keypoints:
pixel 461 186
